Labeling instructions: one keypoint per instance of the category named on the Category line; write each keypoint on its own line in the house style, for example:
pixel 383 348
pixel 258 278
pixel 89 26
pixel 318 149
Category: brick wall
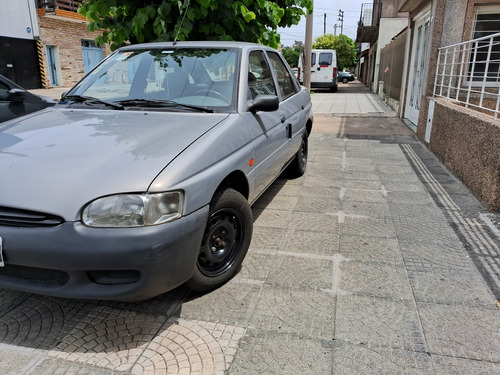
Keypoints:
pixel 65 33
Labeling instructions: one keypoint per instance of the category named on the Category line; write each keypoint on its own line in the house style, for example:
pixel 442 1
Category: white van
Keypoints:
pixel 323 69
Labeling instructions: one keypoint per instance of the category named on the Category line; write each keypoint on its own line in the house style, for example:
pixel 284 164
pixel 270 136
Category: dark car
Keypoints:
pixel 16 101
pixel 345 77
pixel 141 178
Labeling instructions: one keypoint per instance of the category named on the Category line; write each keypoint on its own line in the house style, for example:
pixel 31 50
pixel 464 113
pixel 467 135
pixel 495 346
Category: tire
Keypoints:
pixel 345 80
pixel 298 166
pixel 334 88
pixel 225 243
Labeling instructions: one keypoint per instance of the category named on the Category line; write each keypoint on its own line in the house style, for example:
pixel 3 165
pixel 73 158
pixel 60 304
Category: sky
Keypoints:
pixel 352 12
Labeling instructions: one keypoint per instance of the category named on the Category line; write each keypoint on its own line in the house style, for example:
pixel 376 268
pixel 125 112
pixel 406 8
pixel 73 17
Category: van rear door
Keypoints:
pixel 324 67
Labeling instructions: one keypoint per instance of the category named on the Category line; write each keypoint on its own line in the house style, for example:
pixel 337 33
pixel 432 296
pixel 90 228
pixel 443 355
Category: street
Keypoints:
pixel 377 261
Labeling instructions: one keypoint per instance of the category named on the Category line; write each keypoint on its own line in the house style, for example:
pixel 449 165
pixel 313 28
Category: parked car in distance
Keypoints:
pixel 345 77
pixel 16 101
pixel 142 177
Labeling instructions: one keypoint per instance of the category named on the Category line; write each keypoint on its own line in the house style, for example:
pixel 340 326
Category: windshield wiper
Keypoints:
pixel 161 103
pixel 83 98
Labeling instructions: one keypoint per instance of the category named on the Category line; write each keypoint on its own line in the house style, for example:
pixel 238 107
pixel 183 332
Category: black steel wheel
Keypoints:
pixel 299 164
pixel 225 242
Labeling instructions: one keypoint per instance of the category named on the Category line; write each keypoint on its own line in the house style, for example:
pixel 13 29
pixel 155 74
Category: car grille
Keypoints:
pixel 34 274
pixel 23 218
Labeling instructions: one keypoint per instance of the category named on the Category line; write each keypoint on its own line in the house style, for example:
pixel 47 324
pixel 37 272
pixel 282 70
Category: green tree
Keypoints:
pixel 345 47
pixel 291 55
pixel 132 21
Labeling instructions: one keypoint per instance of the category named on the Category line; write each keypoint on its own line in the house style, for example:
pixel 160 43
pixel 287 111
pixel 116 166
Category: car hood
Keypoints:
pixel 57 160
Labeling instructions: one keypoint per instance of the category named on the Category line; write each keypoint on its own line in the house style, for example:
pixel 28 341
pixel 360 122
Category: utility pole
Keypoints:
pixel 308 50
pixel 335 29
pixel 324 24
pixel 341 19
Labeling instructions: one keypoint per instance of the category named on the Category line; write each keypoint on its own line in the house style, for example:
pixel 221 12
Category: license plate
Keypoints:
pixel 2 264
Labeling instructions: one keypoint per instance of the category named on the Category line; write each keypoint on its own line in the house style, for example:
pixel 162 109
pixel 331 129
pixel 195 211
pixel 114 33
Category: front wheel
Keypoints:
pixel 225 242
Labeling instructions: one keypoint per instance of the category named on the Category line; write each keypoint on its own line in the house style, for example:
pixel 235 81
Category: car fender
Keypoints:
pixel 201 168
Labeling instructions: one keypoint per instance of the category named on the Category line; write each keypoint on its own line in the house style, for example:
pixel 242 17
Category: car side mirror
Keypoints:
pixel 265 103
pixel 17 95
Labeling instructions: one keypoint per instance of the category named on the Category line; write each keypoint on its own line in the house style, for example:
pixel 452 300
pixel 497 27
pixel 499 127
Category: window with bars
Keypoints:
pixel 484 64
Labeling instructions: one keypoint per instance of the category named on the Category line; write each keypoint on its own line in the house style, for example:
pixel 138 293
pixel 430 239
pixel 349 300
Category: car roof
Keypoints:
pixel 193 44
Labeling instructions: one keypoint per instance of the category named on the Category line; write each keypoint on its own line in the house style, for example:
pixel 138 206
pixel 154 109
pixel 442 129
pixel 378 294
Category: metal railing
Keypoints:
pixel 51 5
pixel 370 14
pixel 469 73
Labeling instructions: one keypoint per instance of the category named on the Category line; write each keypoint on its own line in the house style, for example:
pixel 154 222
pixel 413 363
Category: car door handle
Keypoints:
pixel 282 118
pixel 289 131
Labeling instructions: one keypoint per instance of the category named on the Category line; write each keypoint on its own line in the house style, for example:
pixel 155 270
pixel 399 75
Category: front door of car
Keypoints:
pixel 268 129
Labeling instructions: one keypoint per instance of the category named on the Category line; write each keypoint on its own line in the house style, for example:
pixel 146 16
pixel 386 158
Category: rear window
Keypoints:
pixel 325 59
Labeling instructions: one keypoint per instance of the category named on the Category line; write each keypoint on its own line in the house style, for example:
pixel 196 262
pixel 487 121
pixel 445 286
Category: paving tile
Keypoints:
pixel 313 222
pixel 322 204
pixel 368 226
pixel 371 249
pixel 234 304
pixel 258 264
pixel 373 279
pixel 379 322
pixel 462 331
pixel 444 365
pixel 361 358
pixel 312 243
pixel 303 271
pixel 275 353
pixel 267 238
pixel 293 311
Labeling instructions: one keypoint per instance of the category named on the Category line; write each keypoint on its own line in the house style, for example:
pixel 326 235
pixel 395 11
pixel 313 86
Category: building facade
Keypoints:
pixel 450 86
pixel 49 45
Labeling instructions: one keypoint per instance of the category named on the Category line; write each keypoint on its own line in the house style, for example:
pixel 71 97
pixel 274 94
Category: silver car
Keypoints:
pixel 142 177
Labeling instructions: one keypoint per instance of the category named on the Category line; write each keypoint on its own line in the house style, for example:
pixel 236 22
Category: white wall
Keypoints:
pixel 18 19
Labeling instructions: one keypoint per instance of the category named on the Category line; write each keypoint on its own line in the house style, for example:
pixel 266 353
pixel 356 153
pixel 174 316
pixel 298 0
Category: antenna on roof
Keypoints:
pixel 185 5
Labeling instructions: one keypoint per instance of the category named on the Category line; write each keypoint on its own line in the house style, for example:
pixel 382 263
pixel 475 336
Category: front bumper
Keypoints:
pixel 126 264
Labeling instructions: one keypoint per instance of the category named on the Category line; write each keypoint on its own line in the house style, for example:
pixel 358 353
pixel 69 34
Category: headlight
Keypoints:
pixel 133 210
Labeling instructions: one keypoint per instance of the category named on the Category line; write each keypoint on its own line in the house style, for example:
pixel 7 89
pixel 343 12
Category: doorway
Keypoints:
pixel 52 62
pixel 417 65
pixel 92 55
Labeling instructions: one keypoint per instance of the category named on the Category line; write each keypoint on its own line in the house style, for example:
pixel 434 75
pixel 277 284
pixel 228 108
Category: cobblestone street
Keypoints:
pixel 376 261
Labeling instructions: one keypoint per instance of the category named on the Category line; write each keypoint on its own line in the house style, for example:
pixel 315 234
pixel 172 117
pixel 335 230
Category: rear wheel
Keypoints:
pixel 299 163
pixel 225 242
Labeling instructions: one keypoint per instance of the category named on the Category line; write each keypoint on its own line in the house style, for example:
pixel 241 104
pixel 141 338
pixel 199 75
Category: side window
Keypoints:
pixel 285 78
pixel 313 59
pixel 325 59
pixel 4 93
pixel 260 80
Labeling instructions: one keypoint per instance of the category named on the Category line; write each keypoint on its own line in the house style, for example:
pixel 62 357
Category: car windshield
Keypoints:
pixel 191 77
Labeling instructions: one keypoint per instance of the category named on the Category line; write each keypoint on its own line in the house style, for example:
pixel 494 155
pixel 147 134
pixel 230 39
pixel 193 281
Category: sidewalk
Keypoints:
pixel 376 261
